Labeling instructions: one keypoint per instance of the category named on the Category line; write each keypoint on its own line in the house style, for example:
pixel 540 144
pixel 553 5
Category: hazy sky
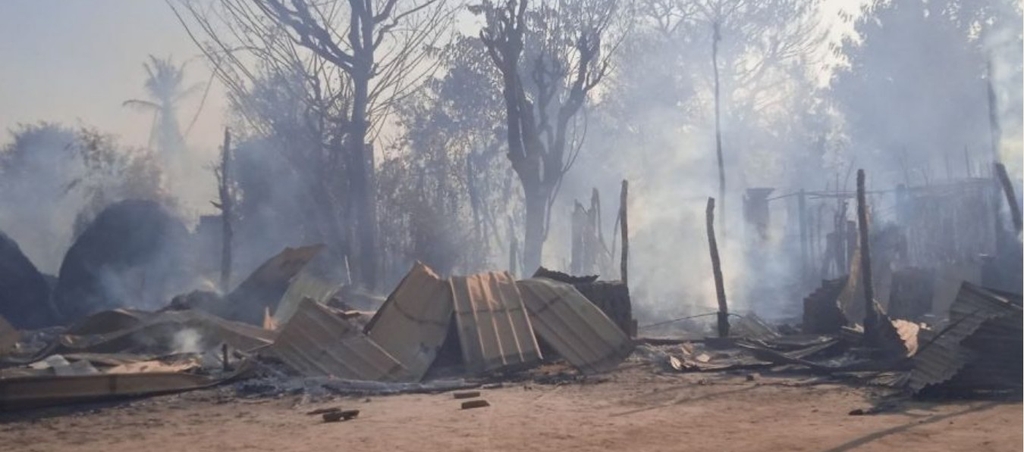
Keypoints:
pixel 75 61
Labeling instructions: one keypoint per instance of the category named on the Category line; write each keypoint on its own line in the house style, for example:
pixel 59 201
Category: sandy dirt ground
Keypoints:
pixel 633 409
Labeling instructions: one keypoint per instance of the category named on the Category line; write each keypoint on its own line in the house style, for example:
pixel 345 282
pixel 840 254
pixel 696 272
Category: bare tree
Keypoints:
pixel 550 58
pixel 357 56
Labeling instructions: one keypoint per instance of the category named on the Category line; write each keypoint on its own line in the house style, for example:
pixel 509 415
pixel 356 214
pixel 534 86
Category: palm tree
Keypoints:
pixel 164 89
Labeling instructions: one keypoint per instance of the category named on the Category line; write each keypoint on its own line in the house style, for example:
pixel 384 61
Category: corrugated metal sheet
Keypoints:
pixel 413 322
pixel 494 329
pixel 318 280
pixel 265 287
pixel 316 342
pixel 983 324
pixel 574 327
pixel 156 333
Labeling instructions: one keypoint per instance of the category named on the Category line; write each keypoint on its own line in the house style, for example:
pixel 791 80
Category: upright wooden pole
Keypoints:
pixel 226 213
pixel 716 270
pixel 1011 196
pixel 803 236
pixel 623 216
pixel 870 321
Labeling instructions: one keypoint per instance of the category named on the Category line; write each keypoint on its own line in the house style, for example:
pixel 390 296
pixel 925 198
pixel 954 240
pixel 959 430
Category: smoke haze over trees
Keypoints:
pixel 461 134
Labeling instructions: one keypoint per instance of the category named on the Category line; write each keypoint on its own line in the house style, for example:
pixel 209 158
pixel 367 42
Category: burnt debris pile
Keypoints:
pixel 290 321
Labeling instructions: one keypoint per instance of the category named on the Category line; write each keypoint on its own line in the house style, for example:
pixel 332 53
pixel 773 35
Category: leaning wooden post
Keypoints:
pixel 623 267
pixel 716 269
pixel 1011 197
pixel 870 320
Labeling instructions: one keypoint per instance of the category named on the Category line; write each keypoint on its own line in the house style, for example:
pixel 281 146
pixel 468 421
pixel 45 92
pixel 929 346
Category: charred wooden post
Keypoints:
pixel 870 319
pixel 716 269
pixel 1011 196
pixel 224 358
pixel 802 205
pixel 623 216
pixel 226 206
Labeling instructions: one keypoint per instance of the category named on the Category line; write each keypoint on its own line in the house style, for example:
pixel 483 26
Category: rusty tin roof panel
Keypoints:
pixel 494 329
pixel 316 342
pixel 977 311
pixel 574 327
pixel 413 322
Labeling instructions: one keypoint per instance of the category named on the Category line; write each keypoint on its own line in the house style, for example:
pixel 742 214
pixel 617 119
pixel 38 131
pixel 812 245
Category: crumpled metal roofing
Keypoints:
pixel 158 332
pixel 494 329
pixel 982 324
pixel 318 280
pixel 265 287
pixel 573 326
pixel 413 322
pixel 315 342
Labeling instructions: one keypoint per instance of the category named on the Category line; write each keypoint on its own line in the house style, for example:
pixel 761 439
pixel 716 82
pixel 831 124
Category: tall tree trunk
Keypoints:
pixel 359 183
pixel 536 213
pixel 227 213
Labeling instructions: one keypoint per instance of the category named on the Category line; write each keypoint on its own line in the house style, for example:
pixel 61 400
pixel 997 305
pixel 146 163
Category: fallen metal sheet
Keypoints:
pixel 266 286
pixel 155 366
pixel 751 326
pixel 108 359
pixel 318 280
pixel 573 326
pixel 716 361
pixel 768 352
pixel 50 390
pixel 315 342
pixel 107 322
pixel 413 322
pixel 8 336
pixel 494 329
pixel 982 341
pixel 168 332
